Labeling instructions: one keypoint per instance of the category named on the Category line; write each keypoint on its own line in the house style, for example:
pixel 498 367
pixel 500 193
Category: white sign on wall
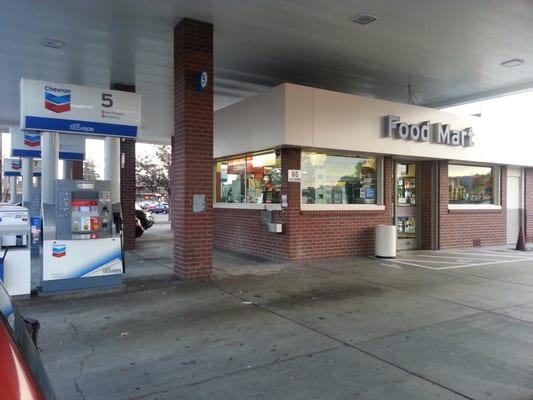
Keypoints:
pixel 13 167
pixel 28 144
pixel 294 175
pixel 60 107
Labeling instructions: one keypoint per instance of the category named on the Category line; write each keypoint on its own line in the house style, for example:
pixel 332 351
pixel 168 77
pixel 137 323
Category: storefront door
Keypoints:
pixel 407 207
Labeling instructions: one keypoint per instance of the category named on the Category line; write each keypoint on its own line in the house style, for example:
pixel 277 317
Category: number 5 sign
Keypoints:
pixel 61 107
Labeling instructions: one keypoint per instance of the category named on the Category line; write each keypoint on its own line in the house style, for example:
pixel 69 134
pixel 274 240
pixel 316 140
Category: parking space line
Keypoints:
pixel 487 263
pixel 457 258
pixel 430 261
pixel 391 266
pixel 415 265
pixel 500 255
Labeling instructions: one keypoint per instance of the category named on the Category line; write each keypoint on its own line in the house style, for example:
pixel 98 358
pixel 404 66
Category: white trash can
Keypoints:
pixel 386 241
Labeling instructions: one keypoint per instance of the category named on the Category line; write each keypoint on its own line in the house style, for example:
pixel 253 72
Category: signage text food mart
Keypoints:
pixel 426 131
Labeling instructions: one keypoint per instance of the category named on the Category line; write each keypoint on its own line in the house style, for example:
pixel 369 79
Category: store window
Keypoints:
pixel 469 184
pixel 251 179
pixel 338 179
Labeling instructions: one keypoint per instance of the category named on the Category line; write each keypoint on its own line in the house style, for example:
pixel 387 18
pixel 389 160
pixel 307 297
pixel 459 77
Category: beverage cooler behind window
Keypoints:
pixel 82 244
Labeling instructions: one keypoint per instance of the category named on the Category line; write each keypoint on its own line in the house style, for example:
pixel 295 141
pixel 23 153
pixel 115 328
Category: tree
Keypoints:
pixel 89 170
pixel 153 172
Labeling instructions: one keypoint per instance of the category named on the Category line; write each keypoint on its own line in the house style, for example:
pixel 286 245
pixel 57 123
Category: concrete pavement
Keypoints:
pixel 346 329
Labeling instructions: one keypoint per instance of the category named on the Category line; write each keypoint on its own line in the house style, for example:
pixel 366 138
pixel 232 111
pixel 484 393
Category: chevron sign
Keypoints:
pixel 32 140
pixel 16 164
pixel 56 99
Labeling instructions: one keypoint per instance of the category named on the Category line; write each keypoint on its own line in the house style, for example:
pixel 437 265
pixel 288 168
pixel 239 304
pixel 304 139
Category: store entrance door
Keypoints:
pixel 407 207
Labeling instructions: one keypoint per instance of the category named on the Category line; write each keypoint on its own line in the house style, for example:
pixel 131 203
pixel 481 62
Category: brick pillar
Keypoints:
pixel 428 202
pixel 528 204
pixel 128 192
pixel 290 159
pixel 127 181
pixel 192 150
pixel 77 170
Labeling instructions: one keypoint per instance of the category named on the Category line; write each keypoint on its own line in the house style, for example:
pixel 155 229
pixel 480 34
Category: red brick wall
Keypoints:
pixel 307 234
pixel 464 228
pixel 328 234
pixel 426 200
pixel 127 181
pixel 127 192
pixel 77 170
pixel 243 230
pixel 192 150
pixel 528 212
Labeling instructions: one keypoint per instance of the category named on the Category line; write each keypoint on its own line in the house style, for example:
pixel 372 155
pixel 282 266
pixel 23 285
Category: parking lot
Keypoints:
pixel 426 325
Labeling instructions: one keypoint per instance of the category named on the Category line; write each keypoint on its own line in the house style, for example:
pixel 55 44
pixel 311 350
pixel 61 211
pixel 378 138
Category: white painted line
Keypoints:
pixel 487 263
pixel 455 258
pixel 481 255
pixel 511 253
pixel 415 265
pixel 391 265
pixel 429 261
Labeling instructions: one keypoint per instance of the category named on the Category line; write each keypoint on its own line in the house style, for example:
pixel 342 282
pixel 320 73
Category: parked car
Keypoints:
pixel 147 203
pixel 22 374
pixel 157 208
pixel 143 222
pixel 161 208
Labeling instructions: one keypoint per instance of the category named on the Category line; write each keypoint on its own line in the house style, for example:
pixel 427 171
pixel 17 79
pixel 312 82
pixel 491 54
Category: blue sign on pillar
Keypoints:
pixel 202 81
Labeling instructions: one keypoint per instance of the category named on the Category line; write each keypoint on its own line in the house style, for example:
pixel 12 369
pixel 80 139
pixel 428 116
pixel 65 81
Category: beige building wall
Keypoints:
pixel 303 116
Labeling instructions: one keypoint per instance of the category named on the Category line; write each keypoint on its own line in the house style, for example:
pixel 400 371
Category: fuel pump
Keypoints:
pixel 82 244
pixel 15 267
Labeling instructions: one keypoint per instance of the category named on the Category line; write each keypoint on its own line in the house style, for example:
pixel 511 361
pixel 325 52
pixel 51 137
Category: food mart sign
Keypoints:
pixel 428 132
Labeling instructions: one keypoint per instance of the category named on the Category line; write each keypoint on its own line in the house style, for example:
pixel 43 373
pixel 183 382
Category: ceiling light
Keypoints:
pixel 364 18
pixel 53 43
pixel 515 62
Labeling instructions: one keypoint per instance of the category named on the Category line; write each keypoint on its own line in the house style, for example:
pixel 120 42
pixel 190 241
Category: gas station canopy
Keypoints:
pixel 431 53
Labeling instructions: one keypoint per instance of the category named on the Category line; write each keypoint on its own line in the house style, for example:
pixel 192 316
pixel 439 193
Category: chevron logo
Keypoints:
pixel 59 250
pixel 32 140
pixel 56 99
pixel 16 165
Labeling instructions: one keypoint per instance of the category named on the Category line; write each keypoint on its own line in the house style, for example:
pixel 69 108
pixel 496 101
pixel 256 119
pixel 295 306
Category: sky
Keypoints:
pixel 94 149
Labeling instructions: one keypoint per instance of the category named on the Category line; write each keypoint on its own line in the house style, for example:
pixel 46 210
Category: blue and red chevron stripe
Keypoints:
pixel 16 164
pixel 32 140
pixel 57 104
pixel 59 250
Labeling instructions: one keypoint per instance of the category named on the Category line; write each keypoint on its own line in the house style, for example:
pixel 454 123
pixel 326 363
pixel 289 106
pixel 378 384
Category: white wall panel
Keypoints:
pixel 254 124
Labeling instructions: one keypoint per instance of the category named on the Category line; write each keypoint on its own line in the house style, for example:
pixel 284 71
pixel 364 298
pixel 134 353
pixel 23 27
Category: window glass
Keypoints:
pixel 263 177
pixel 334 179
pixel 252 179
pixel 230 180
pixel 469 184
